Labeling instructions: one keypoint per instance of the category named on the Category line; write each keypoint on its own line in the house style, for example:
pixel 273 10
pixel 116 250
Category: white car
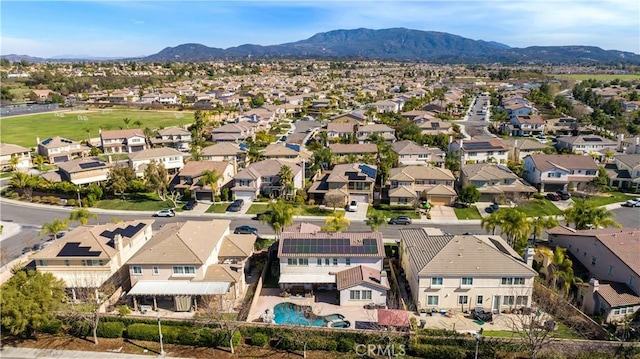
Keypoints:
pixel 352 207
pixel 165 213
pixel 632 203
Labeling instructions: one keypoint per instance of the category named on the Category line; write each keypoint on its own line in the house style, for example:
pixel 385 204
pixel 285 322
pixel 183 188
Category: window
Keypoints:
pixel 43 262
pixel 610 270
pixel 518 281
pixel 354 294
pixel 303 261
pixel 593 261
pixel 436 281
pixel 463 299
pixel 347 261
pixel 335 261
pixel 467 281
pixel 66 262
pixel 91 262
pixel 366 294
pixel 522 300
pixel 184 270
pixel 432 300
pixel 319 262
pixel 326 261
pixel 137 270
pixel 479 300
pixel 507 300
pixel 507 281
pixel 292 261
pixel 616 311
pixel 155 270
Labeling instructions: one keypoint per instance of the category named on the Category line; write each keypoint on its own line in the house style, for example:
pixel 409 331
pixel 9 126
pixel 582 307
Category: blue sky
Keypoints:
pixel 130 28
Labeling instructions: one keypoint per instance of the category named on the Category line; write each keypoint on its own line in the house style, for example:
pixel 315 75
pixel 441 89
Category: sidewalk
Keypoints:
pixel 29 353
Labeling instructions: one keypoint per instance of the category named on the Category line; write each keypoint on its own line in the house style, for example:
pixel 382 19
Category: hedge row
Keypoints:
pixel 438 351
pixel 185 335
pixel 110 329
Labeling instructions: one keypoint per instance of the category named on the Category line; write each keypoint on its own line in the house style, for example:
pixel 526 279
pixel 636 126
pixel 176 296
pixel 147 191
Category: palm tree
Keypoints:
pixel 126 121
pixel 540 223
pixel 376 220
pixel 254 154
pixel 585 215
pixel 286 180
pixel 492 221
pixel 53 228
pixel 336 223
pixel 82 215
pixel 137 123
pixel 23 182
pixel 211 178
pixel 516 226
pixel 559 263
pixel 39 161
pixel 279 215
pixel 13 163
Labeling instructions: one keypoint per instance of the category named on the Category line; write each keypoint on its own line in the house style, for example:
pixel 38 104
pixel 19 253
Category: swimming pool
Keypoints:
pixel 293 314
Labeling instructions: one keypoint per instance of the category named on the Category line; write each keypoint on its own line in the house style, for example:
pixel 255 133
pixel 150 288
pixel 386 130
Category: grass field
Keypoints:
pixel 539 207
pixel 604 200
pixel 23 130
pixel 218 208
pixel 603 77
pixel 136 202
pixel 467 213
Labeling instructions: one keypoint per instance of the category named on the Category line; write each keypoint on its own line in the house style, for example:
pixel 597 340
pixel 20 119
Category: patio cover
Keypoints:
pixel 165 287
pixel 307 278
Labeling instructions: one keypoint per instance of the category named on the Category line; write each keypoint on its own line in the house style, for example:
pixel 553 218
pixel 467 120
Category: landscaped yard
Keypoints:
pixel 390 211
pixel 136 202
pixel 563 332
pixel 44 125
pixel 604 200
pixel 298 210
pixel 257 208
pixel 218 208
pixel 467 213
pixel 539 207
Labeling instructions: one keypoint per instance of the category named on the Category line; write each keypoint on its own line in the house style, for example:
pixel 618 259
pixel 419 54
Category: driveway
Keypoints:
pixel 360 214
pixel 443 213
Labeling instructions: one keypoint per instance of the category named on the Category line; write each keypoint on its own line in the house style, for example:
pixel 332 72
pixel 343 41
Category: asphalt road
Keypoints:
pixel 475 125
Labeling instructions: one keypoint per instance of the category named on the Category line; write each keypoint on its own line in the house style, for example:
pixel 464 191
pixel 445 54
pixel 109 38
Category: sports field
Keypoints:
pixel 23 130
pixel 599 77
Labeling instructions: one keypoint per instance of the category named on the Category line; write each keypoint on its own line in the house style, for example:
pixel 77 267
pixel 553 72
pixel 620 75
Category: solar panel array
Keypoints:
pixel 500 247
pixel 329 246
pixel 293 146
pixel 47 141
pixel 479 145
pixel 370 172
pixel 88 165
pixel 128 231
pixel 73 249
pixel 592 139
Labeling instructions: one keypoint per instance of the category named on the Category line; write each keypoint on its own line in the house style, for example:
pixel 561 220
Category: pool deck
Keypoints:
pixel 269 297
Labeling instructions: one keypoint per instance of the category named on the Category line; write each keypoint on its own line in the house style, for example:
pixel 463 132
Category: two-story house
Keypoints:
pixel 287 152
pixel 410 153
pixel 123 141
pixel 349 263
pixel 233 132
pixel 519 108
pixel 526 125
pixel 479 151
pixel 342 130
pixel 84 170
pixel 411 183
pixel 224 151
pixel 345 182
pixel 624 173
pixel 342 151
pixel 447 272
pixel 261 178
pixel 19 154
pixel 186 261
pixel 522 147
pixel 559 172
pixel 365 132
pixel 170 158
pixel 386 106
pixel 191 175
pixel 90 256
pixel 59 149
pixel 496 183
pixel 586 144
pixel 174 137
pixel 612 257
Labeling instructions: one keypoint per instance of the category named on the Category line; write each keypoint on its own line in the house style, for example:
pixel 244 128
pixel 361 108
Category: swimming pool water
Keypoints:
pixel 293 314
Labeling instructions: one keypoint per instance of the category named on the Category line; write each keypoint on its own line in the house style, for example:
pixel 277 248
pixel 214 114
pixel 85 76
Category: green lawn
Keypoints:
pixel 539 207
pixel 603 77
pixel 136 202
pixel 257 208
pixel 218 208
pixel 390 211
pixel 467 213
pixel 604 200
pixel 563 332
pixel 23 130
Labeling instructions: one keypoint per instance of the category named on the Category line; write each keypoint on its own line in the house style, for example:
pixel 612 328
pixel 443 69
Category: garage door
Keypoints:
pixel 247 196
pixel 360 198
pixel 440 200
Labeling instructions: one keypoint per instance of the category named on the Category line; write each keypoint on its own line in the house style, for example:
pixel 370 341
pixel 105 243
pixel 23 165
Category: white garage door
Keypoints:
pixel 360 198
pixel 247 196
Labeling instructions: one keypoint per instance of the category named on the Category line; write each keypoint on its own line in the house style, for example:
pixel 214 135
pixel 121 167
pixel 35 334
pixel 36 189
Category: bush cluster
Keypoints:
pixel 438 351
pixel 110 329
pixel 185 335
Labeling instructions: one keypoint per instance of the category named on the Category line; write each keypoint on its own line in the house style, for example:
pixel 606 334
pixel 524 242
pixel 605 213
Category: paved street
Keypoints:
pixel 476 125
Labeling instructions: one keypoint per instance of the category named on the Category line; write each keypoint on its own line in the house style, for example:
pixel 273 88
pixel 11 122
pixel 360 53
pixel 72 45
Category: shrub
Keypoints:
pixel 124 310
pixel 330 345
pixel 346 345
pixel 72 202
pixel 36 199
pixel 79 328
pixel 51 326
pixel 236 338
pixel 110 329
pixel 538 195
pixel 259 340
pixel 438 351
pixel 146 332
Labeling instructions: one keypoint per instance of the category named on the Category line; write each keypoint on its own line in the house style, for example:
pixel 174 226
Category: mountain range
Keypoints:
pixel 393 44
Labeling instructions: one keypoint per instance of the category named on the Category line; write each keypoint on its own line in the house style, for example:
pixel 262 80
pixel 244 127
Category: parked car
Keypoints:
pixel 190 205
pixel 169 212
pixel 564 195
pixel 236 206
pixel 352 206
pixel 553 197
pixel 494 207
pixel 400 220
pixel 245 230
pixel 632 203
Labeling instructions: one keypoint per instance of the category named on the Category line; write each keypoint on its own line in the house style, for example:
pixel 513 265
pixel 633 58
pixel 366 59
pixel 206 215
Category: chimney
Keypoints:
pixel 383 277
pixel 529 253
pixel 620 138
pixel 594 284
pixel 117 242
pixel 37 141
